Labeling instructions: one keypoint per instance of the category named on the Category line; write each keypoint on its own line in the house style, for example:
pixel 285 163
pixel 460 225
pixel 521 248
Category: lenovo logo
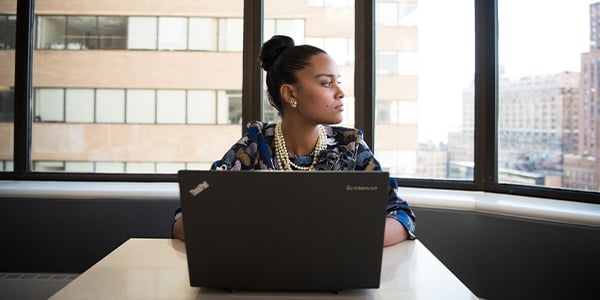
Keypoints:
pixel 199 188
pixel 361 188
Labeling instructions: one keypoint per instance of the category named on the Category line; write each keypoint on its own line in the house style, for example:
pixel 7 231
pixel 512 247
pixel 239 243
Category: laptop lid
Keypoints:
pixel 275 230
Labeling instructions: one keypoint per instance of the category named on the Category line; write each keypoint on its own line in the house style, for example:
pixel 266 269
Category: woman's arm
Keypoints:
pixel 394 232
pixel 177 230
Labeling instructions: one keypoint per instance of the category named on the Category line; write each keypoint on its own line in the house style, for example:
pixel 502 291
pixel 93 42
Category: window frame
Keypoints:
pixel 485 176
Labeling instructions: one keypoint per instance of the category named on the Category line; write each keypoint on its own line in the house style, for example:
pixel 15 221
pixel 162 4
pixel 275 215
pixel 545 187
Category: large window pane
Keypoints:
pixel 424 97
pixel 548 93
pixel 328 25
pixel 140 107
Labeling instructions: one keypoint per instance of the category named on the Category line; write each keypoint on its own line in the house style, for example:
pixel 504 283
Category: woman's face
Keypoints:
pixel 318 91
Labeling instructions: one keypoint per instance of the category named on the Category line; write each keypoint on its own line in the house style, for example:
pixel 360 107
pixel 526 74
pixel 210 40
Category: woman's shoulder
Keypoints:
pixel 344 134
pixel 264 127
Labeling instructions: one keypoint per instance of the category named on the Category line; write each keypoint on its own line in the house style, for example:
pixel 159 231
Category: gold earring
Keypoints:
pixel 293 103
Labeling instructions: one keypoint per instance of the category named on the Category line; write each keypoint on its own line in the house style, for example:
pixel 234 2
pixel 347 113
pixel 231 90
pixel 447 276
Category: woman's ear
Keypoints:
pixel 288 93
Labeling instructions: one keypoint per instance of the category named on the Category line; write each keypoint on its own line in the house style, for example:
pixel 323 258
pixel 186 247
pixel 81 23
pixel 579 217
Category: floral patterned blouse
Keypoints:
pixel 345 151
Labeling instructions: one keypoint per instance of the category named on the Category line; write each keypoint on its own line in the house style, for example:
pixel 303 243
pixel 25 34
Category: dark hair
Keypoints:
pixel 282 59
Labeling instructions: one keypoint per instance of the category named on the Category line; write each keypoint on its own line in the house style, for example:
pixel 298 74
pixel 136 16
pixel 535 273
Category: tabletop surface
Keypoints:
pixel 157 269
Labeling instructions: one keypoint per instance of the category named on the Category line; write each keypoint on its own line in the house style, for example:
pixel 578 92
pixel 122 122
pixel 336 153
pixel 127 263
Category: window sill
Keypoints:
pixel 569 212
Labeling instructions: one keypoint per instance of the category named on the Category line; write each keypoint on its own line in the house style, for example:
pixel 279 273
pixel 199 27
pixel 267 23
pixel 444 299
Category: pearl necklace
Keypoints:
pixel 283 156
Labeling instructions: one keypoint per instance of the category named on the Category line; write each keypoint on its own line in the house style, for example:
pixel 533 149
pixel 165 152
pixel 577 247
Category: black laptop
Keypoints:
pixel 284 231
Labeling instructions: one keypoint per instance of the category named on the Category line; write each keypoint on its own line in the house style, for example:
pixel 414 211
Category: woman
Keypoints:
pixel 302 83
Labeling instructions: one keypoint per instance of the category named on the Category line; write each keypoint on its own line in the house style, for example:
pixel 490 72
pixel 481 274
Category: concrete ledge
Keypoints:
pixel 569 212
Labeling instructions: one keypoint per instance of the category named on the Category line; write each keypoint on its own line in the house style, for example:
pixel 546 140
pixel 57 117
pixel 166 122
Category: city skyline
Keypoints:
pixel 545 47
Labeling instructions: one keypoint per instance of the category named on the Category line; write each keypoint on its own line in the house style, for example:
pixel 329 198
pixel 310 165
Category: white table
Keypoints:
pixel 157 269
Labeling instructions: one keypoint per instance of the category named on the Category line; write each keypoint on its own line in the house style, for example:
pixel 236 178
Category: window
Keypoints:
pixel 340 48
pixel 172 33
pixel 230 31
pixel 81 33
pixel 141 106
pixel 202 34
pixel 201 107
pixel 7 105
pixel 112 32
pixel 397 13
pixel 172 78
pixel 422 69
pixel 75 32
pixel 51 32
pixel 142 33
pixel 170 106
pixel 293 28
pixel 79 106
pixel 110 106
pixel 548 95
pixel 8 27
pixel 49 105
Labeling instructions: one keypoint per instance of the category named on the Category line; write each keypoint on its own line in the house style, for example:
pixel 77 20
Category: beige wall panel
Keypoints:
pixel 138 69
pixel 405 137
pixel 405 39
pixel 133 143
pixel 7 68
pixel 221 8
pixel 286 9
pixel 8 7
pixel 6 141
pixel 337 23
pixel 397 87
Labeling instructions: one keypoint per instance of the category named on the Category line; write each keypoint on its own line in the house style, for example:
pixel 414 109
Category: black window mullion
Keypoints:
pixel 364 79
pixel 485 173
pixel 23 83
pixel 252 108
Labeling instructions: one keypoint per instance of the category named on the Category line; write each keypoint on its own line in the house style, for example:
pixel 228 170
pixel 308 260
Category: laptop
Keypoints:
pixel 284 231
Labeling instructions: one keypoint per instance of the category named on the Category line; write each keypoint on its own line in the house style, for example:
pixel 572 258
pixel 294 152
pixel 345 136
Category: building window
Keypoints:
pixel 8 27
pixel 396 14
pixel 142 33
pixel 170 106
pixel 7 104
pixel 110 106
pixel 201 107
pixel 141 106
pixel 202 34
pixel 293 28
pixel 49 105
pixel 230 31
pixel 51 32
pixel 172 33
pixel 81 32
pixel 79 106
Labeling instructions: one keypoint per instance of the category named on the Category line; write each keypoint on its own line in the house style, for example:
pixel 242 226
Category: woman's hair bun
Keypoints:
pixel 272 48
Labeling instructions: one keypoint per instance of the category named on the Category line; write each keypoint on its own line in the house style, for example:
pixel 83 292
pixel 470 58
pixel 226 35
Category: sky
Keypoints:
pixel 535 37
